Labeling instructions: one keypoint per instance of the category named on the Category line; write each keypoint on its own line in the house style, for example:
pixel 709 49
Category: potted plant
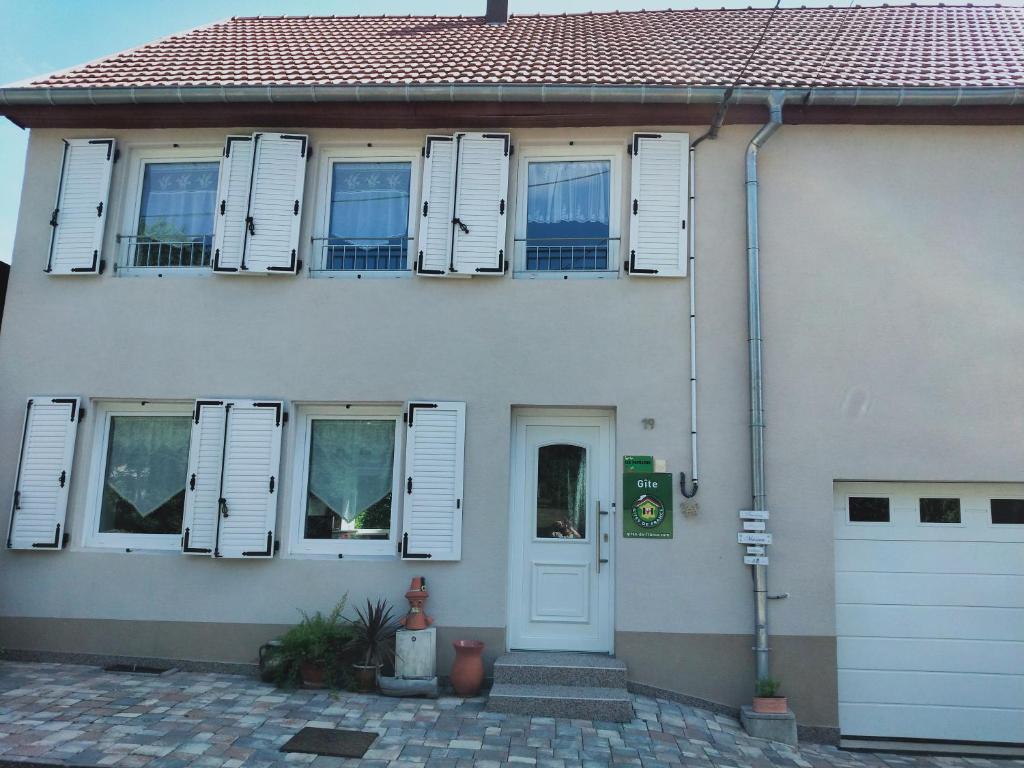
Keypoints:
pixel 309 650
pixel 767 699
pixel 373 635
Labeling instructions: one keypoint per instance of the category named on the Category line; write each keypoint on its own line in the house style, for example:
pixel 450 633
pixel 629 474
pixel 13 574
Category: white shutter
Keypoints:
pixel 229 229
pixel 252 457
pixel 202 493
pixel 81 208
pixel 44 473
pixel 434 454
pixel 480 202
pixel 659 204
pixel 275 203
pixel 434 241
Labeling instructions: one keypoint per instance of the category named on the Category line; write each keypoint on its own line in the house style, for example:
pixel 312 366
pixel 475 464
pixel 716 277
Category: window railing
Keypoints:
pixel 568 254
pixel 362 254
pixel 146 252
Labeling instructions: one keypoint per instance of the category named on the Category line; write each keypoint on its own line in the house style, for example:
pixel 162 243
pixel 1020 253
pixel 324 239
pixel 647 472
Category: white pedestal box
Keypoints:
pixel 416 653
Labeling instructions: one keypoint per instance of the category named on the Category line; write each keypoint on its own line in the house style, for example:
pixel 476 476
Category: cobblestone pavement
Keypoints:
pixel 81 715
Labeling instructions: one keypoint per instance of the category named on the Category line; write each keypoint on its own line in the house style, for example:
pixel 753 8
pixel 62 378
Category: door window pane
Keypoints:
pixel 176 215
pixel 562 492
pixel 369 217
pixel 869 509
pixel 1008 511
pixel 351 465
pixel 940 510
pixel 144 478
pixel 567 215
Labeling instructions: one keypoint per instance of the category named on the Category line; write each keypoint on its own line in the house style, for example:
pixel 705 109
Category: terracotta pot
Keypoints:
pixel 313 675
pixel 468 669
pixel 773 705
pixel 366 677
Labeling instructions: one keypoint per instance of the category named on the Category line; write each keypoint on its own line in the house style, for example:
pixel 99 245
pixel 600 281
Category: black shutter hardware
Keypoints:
pixel 250 225
pixel 63 477
pixel 223 207
pixel 295 208
pixel 53 217
pixel 501 208
pixel 271 483
pixel 636 207
pixel 269 550
pixel 56 541
pixel 411 555
pixel 99 209
pixel 186 548
pixel 408 485
pixel 426 204
pixel 192 482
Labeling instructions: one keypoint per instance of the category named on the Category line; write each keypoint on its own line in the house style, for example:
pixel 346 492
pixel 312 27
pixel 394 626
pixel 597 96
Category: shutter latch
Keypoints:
pixel 63 477
pixel 250 224
pixel 99 209
pixel 223 504
pixel 53 217
pixel 462 226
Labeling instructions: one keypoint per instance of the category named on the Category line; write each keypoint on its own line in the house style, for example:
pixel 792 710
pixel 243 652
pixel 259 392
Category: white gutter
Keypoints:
pixel 456 92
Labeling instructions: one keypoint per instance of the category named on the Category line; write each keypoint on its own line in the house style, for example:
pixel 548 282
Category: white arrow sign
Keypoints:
pixel 755 561
pixel 755 550
pixel 754 538
pixel 754 514
pixel 753 525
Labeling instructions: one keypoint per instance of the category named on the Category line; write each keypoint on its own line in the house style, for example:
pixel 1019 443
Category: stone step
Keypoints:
pixel 550 668
pixel 569 701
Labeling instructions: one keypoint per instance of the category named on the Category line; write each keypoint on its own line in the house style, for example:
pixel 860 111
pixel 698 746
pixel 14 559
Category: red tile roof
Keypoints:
pixel 859 46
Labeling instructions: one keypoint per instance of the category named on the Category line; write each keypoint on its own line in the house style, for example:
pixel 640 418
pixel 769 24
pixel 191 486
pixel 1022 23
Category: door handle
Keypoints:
pixel 598 534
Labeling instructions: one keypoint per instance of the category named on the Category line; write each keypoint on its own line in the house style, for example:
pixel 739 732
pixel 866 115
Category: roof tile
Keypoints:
pixel 849 47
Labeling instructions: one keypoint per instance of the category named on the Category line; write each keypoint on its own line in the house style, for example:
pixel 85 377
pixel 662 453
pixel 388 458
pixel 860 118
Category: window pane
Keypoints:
pixel 1008 511
pixel 176 215
pixel 567 215
pixel 940 510
pixel 144 478
pixel 351 464
pixel 369 224
pixel 869 509
pixel 562 492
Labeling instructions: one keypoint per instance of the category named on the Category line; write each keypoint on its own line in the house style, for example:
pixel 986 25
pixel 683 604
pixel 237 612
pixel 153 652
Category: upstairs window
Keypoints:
pixel 367 217
pixel 171 212
pixel 567 215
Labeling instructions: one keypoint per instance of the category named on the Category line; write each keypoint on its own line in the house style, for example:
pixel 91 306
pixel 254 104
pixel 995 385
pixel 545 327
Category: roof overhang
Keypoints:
pixel 453 104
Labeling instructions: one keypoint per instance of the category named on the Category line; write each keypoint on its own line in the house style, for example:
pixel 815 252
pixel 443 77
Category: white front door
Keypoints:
pixel 560 591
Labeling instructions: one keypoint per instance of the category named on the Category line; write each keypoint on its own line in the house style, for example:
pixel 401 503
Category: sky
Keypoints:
pixel 40 36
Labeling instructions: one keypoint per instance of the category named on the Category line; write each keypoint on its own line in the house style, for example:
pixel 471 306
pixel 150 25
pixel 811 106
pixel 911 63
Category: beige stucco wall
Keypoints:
pixel 893 276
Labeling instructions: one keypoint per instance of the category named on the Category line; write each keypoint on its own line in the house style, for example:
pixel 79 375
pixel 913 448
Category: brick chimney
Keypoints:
pixel 497 12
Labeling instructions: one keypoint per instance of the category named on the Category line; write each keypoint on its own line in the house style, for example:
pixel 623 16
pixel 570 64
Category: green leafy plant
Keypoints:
pixel 373 634
pixel 767 688
pixel 318 639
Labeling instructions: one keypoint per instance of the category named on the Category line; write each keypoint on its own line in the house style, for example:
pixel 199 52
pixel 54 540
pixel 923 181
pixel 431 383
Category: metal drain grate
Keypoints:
pixel 139 669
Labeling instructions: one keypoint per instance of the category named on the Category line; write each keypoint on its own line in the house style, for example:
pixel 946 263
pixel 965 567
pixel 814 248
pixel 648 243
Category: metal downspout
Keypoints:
pixel 760 572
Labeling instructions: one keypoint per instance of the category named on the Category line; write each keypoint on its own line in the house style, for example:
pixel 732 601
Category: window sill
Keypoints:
pixel 594 274
pixel 343 556
pixel 352 274
pixel 163 271
pixel 112 549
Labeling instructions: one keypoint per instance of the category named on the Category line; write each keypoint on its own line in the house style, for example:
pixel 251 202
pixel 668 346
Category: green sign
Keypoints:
pixel 647 505
pixel 637 464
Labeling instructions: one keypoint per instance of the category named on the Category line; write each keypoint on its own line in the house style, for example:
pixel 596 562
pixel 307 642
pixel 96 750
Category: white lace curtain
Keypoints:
pixel 575 192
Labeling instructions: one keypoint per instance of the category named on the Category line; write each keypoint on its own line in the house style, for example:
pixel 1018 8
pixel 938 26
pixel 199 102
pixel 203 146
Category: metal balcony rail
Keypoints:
pixel 569 254
pixel 363 254
pixel 151 252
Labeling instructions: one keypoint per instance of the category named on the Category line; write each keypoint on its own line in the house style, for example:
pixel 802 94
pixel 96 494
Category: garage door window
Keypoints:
pixel 869 509
pixel 940 511
pixel 1008 511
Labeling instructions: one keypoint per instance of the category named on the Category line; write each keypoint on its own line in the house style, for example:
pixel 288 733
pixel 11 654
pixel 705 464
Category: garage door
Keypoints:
pixel 930 611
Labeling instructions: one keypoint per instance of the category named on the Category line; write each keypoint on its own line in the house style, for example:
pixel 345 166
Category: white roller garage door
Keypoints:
pixel 930 611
